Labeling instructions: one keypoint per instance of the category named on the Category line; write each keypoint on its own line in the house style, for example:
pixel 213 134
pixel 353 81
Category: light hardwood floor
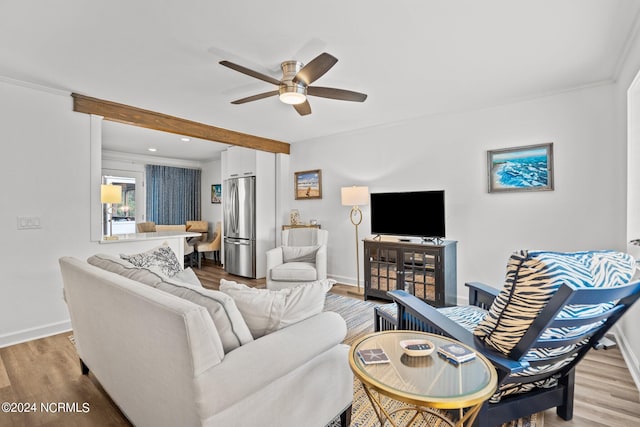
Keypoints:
pixel 46 371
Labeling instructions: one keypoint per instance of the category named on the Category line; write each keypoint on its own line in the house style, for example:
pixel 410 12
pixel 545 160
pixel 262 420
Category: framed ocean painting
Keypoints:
pixel 528 168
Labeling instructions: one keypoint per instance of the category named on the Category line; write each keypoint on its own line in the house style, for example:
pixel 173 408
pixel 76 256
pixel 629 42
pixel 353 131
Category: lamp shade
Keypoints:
pixel 355 196
pixel 110 193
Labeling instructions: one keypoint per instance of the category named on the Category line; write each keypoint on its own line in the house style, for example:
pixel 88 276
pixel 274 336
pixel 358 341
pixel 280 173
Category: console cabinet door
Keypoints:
pixel 421 273
pixel 381 270
pixel 425 270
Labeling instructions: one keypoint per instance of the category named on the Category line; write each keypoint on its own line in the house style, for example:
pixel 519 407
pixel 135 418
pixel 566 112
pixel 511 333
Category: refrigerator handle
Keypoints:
pixel 235 207
pixel 230 207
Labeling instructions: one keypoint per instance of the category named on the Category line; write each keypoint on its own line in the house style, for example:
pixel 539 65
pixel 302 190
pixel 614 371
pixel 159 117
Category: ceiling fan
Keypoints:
pixel 295 85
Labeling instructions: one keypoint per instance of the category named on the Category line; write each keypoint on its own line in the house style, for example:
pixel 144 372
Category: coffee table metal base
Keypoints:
pixel 384 416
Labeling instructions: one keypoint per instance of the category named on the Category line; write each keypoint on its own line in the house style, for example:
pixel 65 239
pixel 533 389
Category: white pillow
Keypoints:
pixel 188 276
pixel 299 253
pixel 161 258
pixel 266 310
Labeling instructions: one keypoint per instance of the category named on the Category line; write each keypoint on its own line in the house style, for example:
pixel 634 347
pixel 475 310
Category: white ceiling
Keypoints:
pixel 413 58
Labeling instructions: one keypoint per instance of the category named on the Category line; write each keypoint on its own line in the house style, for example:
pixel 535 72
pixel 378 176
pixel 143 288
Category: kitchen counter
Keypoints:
pixel 141 242
pixel 158 235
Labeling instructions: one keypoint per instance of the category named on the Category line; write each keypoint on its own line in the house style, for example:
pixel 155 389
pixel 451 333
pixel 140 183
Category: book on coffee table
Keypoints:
pixel 456 353
pixel 372 356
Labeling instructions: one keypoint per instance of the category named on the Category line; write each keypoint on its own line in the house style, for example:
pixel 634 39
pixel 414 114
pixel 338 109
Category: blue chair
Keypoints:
pixel 553 308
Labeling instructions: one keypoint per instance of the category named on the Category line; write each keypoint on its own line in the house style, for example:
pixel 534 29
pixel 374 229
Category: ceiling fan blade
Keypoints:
pixel 315 69
pixel 255 97
pixel 333 93
pixel 303 109
pixel 248 72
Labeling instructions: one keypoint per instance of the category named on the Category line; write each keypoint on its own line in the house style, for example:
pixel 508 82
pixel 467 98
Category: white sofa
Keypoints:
pixel 162 360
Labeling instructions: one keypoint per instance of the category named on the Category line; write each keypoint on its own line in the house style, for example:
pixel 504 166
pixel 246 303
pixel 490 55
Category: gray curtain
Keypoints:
pixel 173 194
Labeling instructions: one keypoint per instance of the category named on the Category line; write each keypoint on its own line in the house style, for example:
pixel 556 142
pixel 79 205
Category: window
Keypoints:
pixel 123 214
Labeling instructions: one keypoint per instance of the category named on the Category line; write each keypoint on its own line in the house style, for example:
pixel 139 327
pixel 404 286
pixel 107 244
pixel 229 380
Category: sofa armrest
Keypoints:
pixel 253 366
pixel 481 295
pixel 321 262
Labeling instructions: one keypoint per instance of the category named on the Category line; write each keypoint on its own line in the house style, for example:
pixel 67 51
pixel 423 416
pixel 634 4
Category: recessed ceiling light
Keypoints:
pixel 183 139
pixel 152 149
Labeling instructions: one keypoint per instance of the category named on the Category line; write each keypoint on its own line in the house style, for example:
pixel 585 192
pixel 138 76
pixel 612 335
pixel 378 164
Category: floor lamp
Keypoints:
pixel 110 194
pixel 355 197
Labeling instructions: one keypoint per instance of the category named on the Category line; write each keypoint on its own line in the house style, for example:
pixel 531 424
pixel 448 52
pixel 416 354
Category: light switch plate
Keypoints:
pixel 29 222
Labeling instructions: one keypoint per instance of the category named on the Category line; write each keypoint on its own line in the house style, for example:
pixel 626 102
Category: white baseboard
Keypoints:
pixel 345 280
pixel 629 357
pixel 34 333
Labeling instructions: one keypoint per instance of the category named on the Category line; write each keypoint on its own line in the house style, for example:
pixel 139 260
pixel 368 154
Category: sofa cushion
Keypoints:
pixel 161 257
pixel 294 272
pixel 229 322
pixel 266 310
pixel 299 253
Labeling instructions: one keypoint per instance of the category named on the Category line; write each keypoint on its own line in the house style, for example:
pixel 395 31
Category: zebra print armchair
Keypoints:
pixel 552 309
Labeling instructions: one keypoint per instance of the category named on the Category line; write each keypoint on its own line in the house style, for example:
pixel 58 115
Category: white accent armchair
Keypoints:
pixel 301 258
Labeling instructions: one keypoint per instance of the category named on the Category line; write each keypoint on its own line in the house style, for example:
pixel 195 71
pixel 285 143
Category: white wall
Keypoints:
pixel 627 98
pixel 212 212
pixel 585 211
pixel 44 168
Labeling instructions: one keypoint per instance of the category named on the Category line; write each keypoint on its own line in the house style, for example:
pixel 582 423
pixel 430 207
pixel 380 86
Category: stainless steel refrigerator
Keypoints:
pixel 239 201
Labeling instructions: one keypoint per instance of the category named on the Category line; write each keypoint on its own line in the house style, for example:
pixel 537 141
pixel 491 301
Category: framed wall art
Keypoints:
pixel 216 193
pixel 308 184
pixel 527 168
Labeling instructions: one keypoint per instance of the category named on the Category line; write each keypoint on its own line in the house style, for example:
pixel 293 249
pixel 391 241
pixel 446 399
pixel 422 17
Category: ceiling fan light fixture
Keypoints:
pixel 292 98
pixel 292 93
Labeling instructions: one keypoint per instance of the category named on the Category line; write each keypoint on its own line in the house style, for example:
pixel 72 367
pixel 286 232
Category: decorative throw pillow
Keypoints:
pixel 160 258
pixel 231 327
pixel 531 280
pixel 299 253
pixel 267 310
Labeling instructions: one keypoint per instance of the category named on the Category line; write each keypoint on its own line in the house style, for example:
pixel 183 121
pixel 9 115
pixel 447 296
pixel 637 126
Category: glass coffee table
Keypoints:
pixel 426 385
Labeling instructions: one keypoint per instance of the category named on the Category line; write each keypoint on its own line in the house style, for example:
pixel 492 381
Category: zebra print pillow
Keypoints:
pixel 532 278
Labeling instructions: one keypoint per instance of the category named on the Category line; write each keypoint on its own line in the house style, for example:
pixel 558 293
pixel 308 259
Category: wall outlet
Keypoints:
pixel 29 222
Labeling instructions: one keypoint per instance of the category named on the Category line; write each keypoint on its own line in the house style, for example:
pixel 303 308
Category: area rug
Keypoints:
pixel 358 315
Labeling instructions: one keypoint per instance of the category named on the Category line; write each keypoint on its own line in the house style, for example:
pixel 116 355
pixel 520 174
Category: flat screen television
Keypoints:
pixel 412 213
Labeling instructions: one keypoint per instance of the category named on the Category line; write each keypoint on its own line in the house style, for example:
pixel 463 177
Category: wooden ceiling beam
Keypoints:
pixel 134 116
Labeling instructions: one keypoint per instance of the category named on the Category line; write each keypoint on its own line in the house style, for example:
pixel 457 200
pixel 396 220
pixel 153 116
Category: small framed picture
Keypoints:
pixel 527 168
pixel 216 193
pixel 308 184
